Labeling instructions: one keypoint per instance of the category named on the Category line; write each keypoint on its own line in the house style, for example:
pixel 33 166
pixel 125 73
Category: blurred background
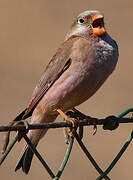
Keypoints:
pixel 30 33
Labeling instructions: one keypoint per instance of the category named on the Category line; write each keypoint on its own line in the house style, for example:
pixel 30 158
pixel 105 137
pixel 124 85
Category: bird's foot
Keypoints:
pixel 93 121
pixel 6 137
pixel 69 131
pixel 22 122
pixel 74 127
pixel 21 133
pixel 83 116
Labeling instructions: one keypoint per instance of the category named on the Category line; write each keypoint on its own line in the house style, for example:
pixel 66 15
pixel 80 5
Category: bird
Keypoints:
pixel 80 66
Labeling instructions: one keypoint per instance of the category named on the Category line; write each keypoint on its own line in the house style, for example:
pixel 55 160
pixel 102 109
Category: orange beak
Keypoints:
pixel 98 25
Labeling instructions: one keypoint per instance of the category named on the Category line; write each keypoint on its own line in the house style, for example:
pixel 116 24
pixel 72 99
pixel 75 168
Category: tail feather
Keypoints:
pixel 26 157
pixel 25 160
pixel 23 115
pixel 20 162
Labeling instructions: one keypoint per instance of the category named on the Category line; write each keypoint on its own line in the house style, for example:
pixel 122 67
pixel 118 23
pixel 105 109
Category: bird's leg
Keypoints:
pixel 93 120
pixel 67 118
pixel 68 131
pixel 6 137
pixel 81 116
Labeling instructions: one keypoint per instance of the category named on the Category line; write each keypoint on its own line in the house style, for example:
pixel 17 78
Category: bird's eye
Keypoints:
pixel 81 21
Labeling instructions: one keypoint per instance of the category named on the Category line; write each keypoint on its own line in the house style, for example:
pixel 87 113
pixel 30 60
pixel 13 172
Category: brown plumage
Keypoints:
pixel 80 66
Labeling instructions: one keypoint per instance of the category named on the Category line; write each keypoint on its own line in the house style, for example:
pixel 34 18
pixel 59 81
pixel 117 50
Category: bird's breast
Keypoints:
pixel 81 80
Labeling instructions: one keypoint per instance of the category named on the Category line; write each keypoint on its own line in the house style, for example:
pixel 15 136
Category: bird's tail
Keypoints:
pixel 25 160
pixel 34 136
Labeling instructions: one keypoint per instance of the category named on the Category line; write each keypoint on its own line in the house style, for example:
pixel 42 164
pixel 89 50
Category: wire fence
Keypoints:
pixel 109 123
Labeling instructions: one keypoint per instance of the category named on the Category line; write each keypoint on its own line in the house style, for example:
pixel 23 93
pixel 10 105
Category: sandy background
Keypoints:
pixel 30 32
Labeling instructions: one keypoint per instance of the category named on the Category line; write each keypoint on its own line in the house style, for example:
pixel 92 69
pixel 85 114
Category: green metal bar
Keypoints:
pixel 39 156
pixel 125 112
pixel 9 149
pixel 64 162
pixel 122 149
pixel 89 156
pixel 117 157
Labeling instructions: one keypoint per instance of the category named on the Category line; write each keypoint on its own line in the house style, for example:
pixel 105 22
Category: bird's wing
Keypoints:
pixel 56 67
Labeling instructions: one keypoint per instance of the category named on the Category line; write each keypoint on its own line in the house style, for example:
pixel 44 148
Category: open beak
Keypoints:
pixel 98 25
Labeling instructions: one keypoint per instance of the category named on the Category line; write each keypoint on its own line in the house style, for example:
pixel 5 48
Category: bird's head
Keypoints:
pixel 88 23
